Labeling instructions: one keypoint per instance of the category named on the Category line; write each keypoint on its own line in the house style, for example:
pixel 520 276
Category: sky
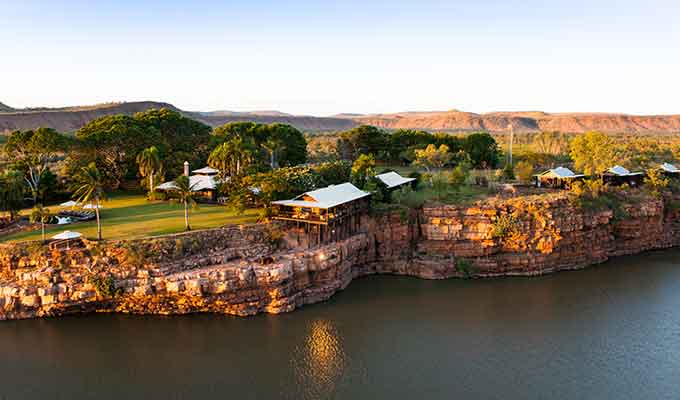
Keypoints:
pixel 326 57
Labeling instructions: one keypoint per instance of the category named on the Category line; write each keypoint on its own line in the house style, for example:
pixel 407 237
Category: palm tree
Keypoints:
pixel 149 165
pixel 185 193
pixel 11 192
pixel 42 215
pixel 273 147
pixel 89 188
pixel 233 156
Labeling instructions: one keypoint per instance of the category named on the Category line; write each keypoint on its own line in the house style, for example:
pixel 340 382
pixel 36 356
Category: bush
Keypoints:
pixel 504 226
pixel 105 287
pixel 465 267
pixel 524 171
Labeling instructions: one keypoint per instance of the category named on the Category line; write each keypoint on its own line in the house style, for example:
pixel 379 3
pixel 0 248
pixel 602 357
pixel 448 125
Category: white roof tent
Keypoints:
pixel 559 172
pixel 207 171
pixel 327 197
pixel 393 179
pixel 204 179
pixel 621 171
pixel 670 168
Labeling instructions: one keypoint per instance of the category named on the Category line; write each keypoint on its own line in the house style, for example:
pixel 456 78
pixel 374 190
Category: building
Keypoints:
pixel 557 178
pixel 203 182
pixel 670 170
pixel 330 213
pixel 618 175
pixel 394 181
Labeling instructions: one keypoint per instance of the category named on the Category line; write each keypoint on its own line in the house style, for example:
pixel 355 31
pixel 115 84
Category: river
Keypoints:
pixel 610 332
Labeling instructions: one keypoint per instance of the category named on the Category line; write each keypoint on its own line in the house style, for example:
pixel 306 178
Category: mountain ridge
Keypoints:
pixel 68 119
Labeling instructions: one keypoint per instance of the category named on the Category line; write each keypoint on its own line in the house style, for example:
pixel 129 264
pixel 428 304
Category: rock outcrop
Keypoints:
pixel 249 269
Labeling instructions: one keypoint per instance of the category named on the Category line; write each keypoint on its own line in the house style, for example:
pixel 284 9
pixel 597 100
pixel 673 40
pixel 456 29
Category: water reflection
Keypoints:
pixel 319 363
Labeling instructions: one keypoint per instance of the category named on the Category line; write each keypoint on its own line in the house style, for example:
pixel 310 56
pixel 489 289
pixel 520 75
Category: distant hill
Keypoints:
pixel 68 119
pixel 533 121
pixel 5 108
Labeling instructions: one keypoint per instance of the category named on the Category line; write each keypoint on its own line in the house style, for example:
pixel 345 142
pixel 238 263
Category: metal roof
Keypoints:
pixel 197 183
pixel 207 171
pixel 327 197
pixel 621 171
pixel 393 179
pixel 670 168
pixel 561 172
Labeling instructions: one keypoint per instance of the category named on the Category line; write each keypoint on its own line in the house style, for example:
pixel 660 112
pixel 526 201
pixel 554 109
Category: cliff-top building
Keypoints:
pixel 330 213
pixel 557 178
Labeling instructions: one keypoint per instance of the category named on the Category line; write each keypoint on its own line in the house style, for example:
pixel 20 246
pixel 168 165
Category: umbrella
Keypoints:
pixel 69 203
pixel 67 235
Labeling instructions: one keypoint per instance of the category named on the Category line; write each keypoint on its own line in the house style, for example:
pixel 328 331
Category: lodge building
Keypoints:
pixel 326 214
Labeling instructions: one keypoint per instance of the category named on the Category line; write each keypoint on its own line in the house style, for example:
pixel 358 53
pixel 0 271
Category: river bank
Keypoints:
pixel 253 269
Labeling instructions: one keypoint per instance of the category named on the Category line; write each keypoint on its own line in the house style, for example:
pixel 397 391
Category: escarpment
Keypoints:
pixel 245 270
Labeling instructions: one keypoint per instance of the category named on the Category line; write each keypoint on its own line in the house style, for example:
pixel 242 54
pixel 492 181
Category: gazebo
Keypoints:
pixel 203 182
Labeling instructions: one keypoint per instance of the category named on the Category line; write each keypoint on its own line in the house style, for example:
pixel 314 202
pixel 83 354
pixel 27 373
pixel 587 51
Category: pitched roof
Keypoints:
pixel 207 171
pixel 620 171
pixel 561 172
pixel 670 168
pixel 393 179
pixel 197 183
pixel 327 197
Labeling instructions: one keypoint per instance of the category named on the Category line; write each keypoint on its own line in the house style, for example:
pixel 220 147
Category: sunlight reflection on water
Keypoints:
pixel 319 362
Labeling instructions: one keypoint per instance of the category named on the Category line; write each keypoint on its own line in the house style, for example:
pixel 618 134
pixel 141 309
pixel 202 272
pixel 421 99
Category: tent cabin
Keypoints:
pixel 670 170
pixel 332 212
pixel 203 183
pixel 394 181
pixel 557 178
pixel 618 175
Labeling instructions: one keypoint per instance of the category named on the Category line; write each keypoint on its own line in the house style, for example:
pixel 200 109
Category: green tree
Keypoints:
pixel 11 192
pixel 88 188
pixel 33 151
pixel 41 215
pixel 433 157
pixel 113 143
pixel 483 150
pixel 149 162
pixel 185 194
pixel 233 156
pixel 524 171
pixel 180 138
pixel 362 169
pixel 364 139
pixel 593 153
pixel 273 146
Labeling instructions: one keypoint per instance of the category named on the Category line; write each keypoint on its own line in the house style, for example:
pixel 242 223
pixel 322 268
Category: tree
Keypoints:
pixel 180 138
pixel 458 176
pixel 11 192
pixel 433 157
pixel 657 182
pixel 273 146
pixel 41 215
pixel 88 188
pixel 185 194
pixel 362 169
pixel 364 139
pixel 232 157
pixel 32 151
pixel 149 165
pixel 524 171
pixel 113 143
pixel 483 150
pixel 593 153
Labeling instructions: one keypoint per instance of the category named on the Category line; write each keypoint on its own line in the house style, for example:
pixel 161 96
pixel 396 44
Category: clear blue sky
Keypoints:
pixel 323 57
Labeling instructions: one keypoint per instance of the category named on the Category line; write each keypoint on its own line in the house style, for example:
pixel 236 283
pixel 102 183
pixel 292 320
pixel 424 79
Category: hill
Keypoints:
pixel 69 119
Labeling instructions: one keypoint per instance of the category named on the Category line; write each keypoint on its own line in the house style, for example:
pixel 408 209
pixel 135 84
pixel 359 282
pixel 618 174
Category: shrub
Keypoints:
pixel 105 287
pixel 524 171
pixel 504 226
pixel 465 267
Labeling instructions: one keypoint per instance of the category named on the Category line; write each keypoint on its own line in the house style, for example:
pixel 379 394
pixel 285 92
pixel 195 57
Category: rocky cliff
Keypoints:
pixel 250 269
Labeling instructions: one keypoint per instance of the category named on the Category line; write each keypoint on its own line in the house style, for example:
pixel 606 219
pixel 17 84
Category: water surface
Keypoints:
pixel 610 332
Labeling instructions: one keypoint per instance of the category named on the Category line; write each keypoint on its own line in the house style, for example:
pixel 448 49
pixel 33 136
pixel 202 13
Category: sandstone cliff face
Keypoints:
pixel 245 271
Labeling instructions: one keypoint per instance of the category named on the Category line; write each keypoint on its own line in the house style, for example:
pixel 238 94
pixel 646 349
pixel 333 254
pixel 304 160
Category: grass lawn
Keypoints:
pixel 127 216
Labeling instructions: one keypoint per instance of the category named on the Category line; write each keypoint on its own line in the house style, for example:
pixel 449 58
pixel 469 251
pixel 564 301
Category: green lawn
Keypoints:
pixel 127 216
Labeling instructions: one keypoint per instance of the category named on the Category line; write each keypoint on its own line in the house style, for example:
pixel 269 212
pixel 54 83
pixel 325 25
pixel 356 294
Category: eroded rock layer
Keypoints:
pixel 248 270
